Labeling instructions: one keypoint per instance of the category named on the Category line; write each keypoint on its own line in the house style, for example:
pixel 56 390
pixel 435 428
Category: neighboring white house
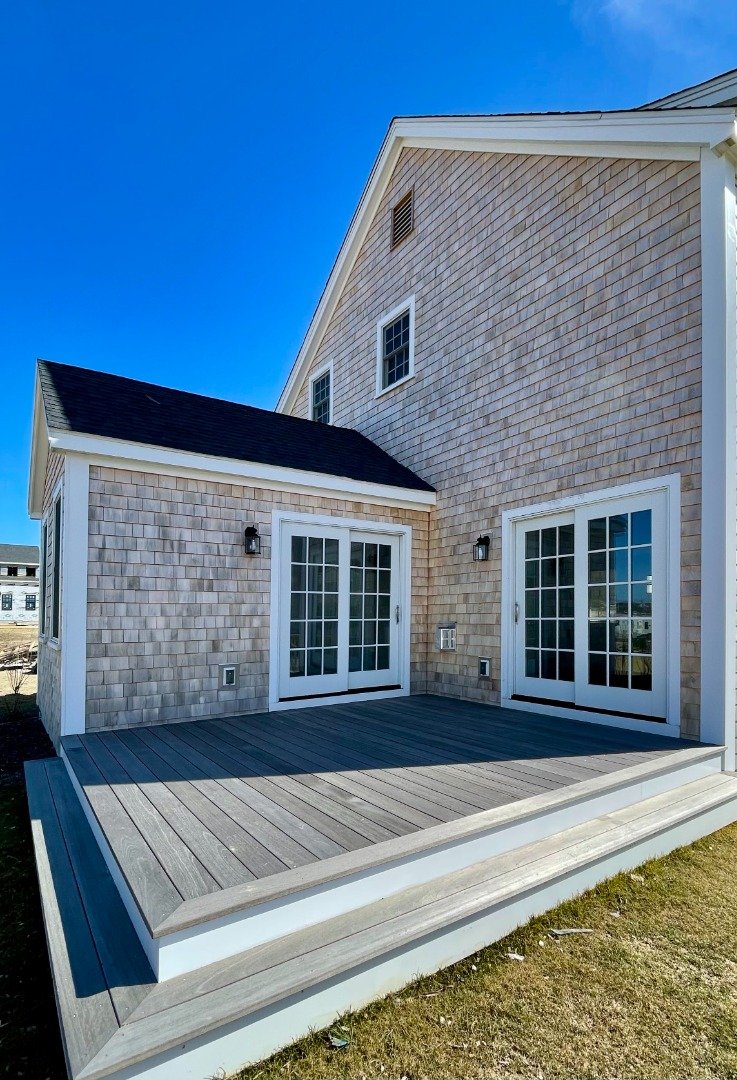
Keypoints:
pixel 19 583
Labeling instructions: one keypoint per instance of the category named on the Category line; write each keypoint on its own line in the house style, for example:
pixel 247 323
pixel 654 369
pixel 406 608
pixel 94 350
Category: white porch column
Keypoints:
pixel 74 594
pixel 719 452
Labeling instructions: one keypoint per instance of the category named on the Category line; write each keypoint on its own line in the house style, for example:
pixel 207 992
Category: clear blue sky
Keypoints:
pixel 177 177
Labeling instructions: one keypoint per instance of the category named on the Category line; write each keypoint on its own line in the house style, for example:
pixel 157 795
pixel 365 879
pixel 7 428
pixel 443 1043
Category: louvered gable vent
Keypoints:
pixel 403 218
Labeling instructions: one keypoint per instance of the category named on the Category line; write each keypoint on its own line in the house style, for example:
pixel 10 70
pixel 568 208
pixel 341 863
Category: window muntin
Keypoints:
pixel 30 601
pixel 7 602
pixel 313 628
pixel 321 397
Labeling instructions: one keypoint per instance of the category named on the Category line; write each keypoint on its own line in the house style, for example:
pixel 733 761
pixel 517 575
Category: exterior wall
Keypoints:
pixel 49 653
pixel 19 588
pixel 557 351
pixel 171 594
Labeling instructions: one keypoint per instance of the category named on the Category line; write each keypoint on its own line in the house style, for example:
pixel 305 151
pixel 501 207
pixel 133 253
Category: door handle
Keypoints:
pixel 516 612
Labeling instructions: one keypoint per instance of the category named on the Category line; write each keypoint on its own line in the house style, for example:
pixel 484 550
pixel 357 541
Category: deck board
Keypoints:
pixel 199 806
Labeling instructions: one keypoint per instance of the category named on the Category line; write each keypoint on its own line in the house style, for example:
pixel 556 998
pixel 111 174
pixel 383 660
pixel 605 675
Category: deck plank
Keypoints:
pixel 183 867
pixel 150 884
pixel 212 853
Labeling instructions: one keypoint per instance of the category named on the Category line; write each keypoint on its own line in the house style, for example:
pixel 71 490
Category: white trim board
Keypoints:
pixel 385 528
pixel 718 452
pixel 643 134
pixel 75 541
pixel 671 485
pixel 142 458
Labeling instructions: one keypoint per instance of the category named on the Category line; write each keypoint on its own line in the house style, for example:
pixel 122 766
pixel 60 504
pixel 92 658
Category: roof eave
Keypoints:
pixel 183 462
pixel 657 133
pixel 39 453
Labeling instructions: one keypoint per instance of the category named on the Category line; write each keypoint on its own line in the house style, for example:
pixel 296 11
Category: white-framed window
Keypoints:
pixel 7 601
pixel 30 601
pixel 395 346
pixel 321 395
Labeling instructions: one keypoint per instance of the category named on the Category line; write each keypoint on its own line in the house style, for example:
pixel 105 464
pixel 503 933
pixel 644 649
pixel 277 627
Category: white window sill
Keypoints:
pixel 394 385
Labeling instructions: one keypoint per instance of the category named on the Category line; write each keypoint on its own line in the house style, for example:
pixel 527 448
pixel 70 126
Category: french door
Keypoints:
pixel 339 610
pixel 590 598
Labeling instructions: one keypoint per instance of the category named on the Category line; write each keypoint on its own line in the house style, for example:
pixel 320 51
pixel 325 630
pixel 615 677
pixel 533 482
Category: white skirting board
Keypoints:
pixel 230 1048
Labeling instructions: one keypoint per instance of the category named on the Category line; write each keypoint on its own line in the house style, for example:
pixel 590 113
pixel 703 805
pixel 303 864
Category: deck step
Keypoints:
pixel 241 1009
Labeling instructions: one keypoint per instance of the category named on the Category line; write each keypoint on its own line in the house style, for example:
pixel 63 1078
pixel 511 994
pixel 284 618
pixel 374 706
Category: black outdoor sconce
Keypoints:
pixel 253 541
pixel 481 549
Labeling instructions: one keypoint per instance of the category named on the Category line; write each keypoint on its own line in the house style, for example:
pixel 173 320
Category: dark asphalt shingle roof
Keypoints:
pixel 20 554
pixel 96 403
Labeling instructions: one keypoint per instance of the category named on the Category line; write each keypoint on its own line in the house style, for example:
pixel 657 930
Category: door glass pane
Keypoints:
pixel 371 570
pixel 313 629
pixel 548 605
pixel 620 600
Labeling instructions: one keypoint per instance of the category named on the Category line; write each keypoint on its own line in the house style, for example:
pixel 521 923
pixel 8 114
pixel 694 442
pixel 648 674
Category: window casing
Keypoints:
pixel 7 602
pixel 395 335
pixel 42 571
pixel 56 572
pixel 321 395
pixel 30 601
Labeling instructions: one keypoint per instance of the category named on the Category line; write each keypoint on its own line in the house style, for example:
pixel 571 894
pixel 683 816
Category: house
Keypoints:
pixel 345 691
pixel 19 583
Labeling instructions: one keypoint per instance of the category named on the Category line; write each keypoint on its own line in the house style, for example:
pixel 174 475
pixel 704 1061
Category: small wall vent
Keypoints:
pixel 403 218
pixel 484 667
pixel 445 637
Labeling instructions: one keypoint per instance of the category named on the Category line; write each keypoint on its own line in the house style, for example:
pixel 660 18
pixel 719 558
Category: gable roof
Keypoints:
pixel 719 91
pixel 648 132
pixel 20 554
pixel 96 403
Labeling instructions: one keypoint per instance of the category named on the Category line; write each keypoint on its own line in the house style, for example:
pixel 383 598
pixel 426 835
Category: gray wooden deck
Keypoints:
pixel 192 808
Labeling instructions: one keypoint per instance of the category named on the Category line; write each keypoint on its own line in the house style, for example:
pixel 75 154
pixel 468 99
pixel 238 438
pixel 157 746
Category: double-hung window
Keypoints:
pixel 30 601
pixel 395 347
pixel 321 396
pixel 7 601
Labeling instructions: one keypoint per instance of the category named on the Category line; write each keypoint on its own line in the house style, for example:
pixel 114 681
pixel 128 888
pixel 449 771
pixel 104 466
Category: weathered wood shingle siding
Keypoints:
pixel 557 351
pixel 49 656
pixel 171 594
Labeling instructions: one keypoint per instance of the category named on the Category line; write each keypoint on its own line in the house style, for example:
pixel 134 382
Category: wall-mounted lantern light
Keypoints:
pixel 481 549
pixel 253 541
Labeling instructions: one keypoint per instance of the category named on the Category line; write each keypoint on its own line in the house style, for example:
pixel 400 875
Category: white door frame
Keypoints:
pixel 404 579
pixel 671 486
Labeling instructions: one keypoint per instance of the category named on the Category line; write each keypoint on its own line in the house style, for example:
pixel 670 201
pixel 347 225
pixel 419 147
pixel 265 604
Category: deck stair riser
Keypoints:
pixel 120 1025
pixel 224 923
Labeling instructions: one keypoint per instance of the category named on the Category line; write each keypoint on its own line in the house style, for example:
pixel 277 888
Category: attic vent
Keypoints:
pixel 403 218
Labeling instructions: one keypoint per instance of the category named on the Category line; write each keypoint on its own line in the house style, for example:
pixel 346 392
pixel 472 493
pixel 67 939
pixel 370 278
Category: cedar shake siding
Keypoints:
pixel 49 656
pixel 171 594
pixel 557 351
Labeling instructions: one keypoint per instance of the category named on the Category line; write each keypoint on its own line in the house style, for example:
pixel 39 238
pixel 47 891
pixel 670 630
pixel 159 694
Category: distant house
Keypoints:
pixel 19 583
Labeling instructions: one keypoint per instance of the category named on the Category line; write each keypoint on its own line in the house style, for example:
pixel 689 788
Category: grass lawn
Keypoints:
pixel 651 993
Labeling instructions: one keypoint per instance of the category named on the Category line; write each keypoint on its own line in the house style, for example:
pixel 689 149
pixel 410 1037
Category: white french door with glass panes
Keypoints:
pixel 339 610
pixel 590 618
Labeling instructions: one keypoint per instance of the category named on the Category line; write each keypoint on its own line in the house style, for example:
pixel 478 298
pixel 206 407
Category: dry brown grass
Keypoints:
pixel 651 994
pixel 25 701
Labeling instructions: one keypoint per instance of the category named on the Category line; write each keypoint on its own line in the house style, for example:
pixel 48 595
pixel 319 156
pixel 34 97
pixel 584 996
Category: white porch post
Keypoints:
pixel 74 594
pixel 719 452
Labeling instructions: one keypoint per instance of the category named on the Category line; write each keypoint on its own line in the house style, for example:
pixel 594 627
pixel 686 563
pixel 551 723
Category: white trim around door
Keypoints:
pixel 655 502
pixel 336 681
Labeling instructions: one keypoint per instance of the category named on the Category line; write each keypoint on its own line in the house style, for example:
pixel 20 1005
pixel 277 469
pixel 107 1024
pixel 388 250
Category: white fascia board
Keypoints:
pixel 138 456
pixel 645 134
pixel 710 92
pixel 39 454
